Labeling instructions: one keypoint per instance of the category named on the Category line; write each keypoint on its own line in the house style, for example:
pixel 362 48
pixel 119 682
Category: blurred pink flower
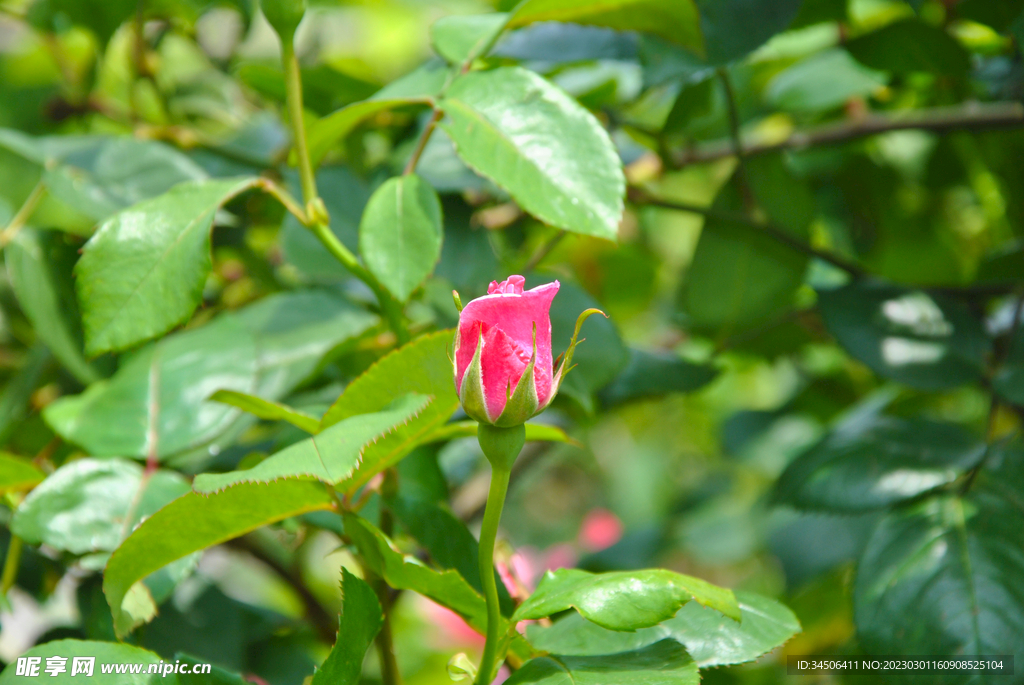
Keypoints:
pixel 450 629
pixel 601 529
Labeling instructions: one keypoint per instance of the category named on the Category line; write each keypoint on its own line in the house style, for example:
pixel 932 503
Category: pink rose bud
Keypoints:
pixel 503 366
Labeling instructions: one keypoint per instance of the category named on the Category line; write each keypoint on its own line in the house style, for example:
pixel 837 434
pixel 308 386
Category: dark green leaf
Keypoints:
pixel 910 45
pixel 400 234
pixel 361 620
pixel 557 42
pixel 694 100
pixel 623 600
pixel 655 373
pixel 143 271
pixel 330 456
pixel 460 38
pixel 740 275
pixel 267 410
pixel 18 474
pixel 103 653
pixel 195 522
pixel 943 577
pixel 420 367
pixel 825 80
pixel 18 390
pixel 870 461
pixel 39 266
pixel 675 20
pixel 710 638
pixel 417 89
pixel 923 340
pixel 402 572
pixel 733 28
pixel 998 15
pixel 537 143
pixel 663 663
pixel 448 541
pixel 601 353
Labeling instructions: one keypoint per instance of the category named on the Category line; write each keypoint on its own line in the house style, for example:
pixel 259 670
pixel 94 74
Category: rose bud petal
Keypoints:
pixel 503 364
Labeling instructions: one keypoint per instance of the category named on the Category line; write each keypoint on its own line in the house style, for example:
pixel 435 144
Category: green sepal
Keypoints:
pixel 471 395
pixel 564 365
pixel 501 445
pixel 284 16
pixel 523 403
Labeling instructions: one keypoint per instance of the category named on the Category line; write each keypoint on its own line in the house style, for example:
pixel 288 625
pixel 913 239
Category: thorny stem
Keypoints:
pixel 293 89
pixel 391 309
pixel 737 142
pixel 384 640
pixel 488 535
pixel 774 231
pixel 421 144
pixel 968 117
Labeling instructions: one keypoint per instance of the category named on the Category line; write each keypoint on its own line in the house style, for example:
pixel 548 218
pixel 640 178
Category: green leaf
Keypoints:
pixel 912 337
pixel 655 373
pixel 448 541
pixel 39 264
pixel 695 100
pixel 417 88
pixel 600 355
pixel 710 638
pixel 194 522
pixel 267 410
pixel 674 20
pixel 90 505
pixel 18 474
pixel 825 80
pixel 870 461
pixel 329 456
pixel 663 663
pixel 361 620
pixel 998 15
pixel 143 271
pixel 18 390
pixel 400 234
pixel 104 653
pixel 420 367
pixel 933 49
pixel 623 600
pixel 943 577
pixel 460 38
pixel 534 141
pixel 404 572
pixel 734 28
pixel 157 402
pixel 740 275
pixel 107 175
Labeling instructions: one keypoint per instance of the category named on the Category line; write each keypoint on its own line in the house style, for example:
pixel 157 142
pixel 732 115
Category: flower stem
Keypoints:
pixel 10 573
pixel 293 92
pixel 488 534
